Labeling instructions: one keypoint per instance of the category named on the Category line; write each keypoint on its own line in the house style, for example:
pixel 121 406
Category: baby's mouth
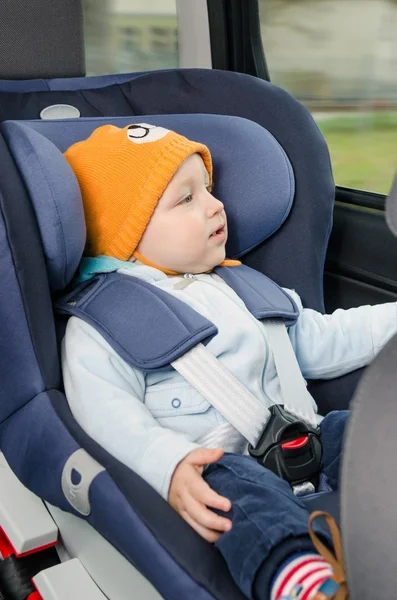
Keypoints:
pixel 219 231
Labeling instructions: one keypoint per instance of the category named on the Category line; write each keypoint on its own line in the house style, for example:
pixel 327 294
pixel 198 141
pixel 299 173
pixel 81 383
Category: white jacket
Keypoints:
pixel 150 421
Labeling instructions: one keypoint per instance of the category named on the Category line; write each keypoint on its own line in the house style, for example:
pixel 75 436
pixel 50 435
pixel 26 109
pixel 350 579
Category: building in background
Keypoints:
pixel 133 35
pixel 97 36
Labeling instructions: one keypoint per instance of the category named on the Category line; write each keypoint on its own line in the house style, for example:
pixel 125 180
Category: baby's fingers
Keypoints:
pixel 207 534
pixel 203 493
pixel 205 517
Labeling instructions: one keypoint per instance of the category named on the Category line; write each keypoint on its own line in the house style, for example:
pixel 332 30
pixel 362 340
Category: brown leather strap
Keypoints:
pixel 334 559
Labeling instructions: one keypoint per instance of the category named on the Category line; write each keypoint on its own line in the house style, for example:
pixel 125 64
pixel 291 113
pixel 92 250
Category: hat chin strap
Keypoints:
pixel 149 263
pixel 145 261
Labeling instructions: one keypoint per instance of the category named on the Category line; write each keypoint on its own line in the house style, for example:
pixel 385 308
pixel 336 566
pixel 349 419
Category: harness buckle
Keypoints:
pixel 289 447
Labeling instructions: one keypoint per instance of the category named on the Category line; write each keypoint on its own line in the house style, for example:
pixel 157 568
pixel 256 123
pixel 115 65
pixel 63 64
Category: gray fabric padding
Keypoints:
pixel 391 207
pixel 369 483
pixel 41 39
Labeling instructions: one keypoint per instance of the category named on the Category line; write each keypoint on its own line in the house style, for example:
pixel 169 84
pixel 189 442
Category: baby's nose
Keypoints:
pixel 216 205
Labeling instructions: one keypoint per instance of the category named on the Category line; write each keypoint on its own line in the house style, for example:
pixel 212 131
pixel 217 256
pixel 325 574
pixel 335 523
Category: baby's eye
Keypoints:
pixel 187 199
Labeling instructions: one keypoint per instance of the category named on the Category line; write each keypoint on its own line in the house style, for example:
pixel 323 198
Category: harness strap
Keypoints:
pixel 224 391
pixel 224 436
pixel 297 399
pixel 246 415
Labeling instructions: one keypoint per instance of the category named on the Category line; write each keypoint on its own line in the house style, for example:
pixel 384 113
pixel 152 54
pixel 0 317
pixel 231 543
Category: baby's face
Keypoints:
pixel 188 230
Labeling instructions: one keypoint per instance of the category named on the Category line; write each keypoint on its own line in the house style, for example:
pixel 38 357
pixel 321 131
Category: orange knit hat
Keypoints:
pixel 122 175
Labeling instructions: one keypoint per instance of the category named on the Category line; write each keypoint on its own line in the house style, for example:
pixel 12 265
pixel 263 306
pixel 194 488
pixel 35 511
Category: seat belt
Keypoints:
pixel 285 440
pixel 223 390
pixel 297 399
pixel 241 409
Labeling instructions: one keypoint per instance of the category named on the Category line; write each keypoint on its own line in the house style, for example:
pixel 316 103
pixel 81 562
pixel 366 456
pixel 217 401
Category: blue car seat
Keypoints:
pixel 41 238
pixel 183 91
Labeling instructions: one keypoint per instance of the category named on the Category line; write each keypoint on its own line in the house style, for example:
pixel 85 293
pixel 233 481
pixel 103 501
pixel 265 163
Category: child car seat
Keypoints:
pixel 193 91
pixel 38 207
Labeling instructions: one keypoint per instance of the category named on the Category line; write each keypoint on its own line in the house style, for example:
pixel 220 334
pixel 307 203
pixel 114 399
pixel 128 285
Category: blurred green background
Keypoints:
pixel 363 149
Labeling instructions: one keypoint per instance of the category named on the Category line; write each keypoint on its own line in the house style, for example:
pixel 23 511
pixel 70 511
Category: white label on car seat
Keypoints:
pixel 60 111
pixel 83 468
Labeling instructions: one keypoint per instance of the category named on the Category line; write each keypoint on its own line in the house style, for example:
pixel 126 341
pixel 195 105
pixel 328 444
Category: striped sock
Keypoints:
pixel 300 577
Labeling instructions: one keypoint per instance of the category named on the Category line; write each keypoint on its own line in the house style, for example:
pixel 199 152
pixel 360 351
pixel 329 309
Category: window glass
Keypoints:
pixel 124 36
pixel 339 57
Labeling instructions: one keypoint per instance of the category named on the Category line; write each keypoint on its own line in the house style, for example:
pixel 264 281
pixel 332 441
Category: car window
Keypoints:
pixel 339 57
pixel 123 36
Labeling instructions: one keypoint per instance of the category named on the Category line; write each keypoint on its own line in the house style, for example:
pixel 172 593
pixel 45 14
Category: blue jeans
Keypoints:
pixel 269 521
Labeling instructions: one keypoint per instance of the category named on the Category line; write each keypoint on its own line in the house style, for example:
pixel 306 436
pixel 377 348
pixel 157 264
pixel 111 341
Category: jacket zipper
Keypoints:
pixel 188 278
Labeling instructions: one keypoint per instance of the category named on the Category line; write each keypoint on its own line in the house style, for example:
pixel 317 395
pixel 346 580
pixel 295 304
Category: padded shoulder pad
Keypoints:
pixel 146 326
pixel 262 296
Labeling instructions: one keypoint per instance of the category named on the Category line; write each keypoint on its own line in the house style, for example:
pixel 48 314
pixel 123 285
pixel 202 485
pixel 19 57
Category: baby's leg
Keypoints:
pixel 332 435
pixel 270 524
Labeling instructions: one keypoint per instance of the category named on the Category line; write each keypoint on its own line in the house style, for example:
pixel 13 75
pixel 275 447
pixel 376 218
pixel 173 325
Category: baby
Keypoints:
pixel 151 214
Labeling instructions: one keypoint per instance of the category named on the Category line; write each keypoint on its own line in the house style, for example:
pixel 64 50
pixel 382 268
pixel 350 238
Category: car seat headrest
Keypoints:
pixel 252 177
pixel 56 198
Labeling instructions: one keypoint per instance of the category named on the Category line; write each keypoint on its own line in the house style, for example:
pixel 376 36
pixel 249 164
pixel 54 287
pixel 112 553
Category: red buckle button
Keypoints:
pixel 295 444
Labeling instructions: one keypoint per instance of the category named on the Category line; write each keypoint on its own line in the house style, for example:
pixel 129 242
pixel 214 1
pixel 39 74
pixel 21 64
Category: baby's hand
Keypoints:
pixel 190 495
